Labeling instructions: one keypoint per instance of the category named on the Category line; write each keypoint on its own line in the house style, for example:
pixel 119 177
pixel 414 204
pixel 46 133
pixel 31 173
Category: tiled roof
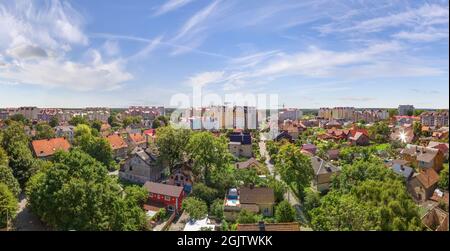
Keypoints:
pixel 116 141
pixel 163 189
pixel 137 138
pixel 428 177
pixel 292 226
pixel 47 147
pixel 321 167
pixel 256 195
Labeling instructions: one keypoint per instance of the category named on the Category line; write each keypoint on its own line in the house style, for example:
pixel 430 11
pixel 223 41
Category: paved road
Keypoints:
pixel 25 219
pixel 289 195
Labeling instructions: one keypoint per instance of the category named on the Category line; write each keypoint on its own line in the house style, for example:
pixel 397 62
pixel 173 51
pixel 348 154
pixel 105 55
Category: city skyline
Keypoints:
pixel 311 54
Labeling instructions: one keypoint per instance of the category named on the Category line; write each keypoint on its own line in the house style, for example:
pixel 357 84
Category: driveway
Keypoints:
pixel 25 219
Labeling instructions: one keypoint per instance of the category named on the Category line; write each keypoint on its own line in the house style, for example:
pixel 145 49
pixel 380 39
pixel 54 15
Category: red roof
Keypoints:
pixel 150 132
pixel 116 141
pixel 363 131
pixel 137 138
pixel 48 147
pixel 163 189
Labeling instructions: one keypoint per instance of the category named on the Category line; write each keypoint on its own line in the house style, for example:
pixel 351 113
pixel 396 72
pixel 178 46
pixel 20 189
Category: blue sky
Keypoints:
pixel 141 52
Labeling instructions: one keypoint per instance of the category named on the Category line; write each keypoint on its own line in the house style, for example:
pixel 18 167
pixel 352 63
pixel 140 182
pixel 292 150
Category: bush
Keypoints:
pixel 196 208
pixel 247 217
pixel 284 212
pixel 8 205
pixel 216 209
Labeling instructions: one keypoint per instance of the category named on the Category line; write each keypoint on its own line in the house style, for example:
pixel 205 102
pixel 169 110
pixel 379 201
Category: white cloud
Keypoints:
pixel 171 5
pixel 205 78
pixel 35 38
pixel 111 47
pixel 426 15
pixel 26 51
pixel 429 35
pixel 68 74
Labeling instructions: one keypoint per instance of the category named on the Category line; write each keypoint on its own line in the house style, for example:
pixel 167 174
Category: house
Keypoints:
pixel 292 128
pixel 436 220
pixel 240 145
pixel 182 177
pixel 137 140
pixel 65 132
pixel 442 147
pixel 150 135
pixel 254 199
pixel 199 225
pixel 163 195
pixel 359 139
pixel 404 171
pixel 332 124
pixel 310 148
pixel 141 167
pixel 323 171
pixel 438 119
pixel 284 135
pixel 45 148
pixel 335 134
pixel 440 196
pixel 250 163
pixel 423 157
pixel 422 184
pixel 262 226
pixel 403 134
pixel 119 146
pixel 333 154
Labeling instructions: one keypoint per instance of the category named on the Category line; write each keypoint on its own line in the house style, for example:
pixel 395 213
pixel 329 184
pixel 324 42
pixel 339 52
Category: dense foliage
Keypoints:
pixel 284 212
pixel 8 205
pixel 7 178
pixel 196 208
pixel 76 193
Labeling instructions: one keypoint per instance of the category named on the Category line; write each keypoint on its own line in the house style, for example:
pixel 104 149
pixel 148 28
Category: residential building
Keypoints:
pixel 359 138
pixel 403 134
pixel 293 128
pixel 434 119
pixel 47 115
pixel 165 196
pixel 442 147
pixel 423 157
pixel 292 114
pixel 404 171
pixel 119 146
pixel 140 167
pixel 262 226
pixel 66 131
pixel 436 220
pixel 323 171
pixel 250 163
pixel 311 148
pixel 240 145
pixel 422 185
pixel 29 112
pixel 254 199
pixel 405 110
pixel 45 148
pixel 405 120
pixel 136 140
pixel 146 112
pixel 440 197
pixel 182 176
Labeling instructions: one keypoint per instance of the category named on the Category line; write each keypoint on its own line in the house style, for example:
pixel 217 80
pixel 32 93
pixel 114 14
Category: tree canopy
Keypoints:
pixel 284 212
pixel 8 205
pixel 196 208
pixel 76 193
pixel 44 131
pixel 7 178
pixel 172 144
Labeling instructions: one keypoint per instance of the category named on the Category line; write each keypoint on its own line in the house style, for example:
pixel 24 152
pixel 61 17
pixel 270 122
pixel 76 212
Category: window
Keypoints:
pixel 167 198
pixel 266 211
pixel 131 168
pixel 170 208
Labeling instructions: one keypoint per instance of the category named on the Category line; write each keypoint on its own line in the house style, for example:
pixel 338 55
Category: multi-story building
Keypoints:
pixel 29 112
pixel 370 116
pixel 47 114
pixel 337 113
pixel 290 114
pixel 146 112
pixel 404 110
pixel 97 113
pixel 437 119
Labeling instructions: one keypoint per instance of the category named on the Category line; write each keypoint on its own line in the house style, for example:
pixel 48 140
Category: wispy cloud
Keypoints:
pixel 171 5
pixel 35 38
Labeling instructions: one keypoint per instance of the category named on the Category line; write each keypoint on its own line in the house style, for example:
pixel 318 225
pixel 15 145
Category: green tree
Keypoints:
pixel 208 153
pixel 205 193
pixel 76 120
pixel 7 178
pixel 247 217
pixel 3 157
pixel 312 200
pixel 443 177
pixel 196 208
pixel 156 124
pixel 417 129
pixel 14 133
pixel 294 167
pixel 279 188
pixel 19 118
pixel 8 205
pixel 379 132
pixel 284 212
pixel 249 176
pixel 216 209
pixel 54 121
pixel 172 144
pixel 97 124
pixel 21 162
pixel 392 112
pixel 76 193
pixel 44 131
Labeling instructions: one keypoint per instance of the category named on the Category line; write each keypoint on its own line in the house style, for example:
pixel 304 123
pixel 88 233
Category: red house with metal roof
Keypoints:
pixel 163 195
